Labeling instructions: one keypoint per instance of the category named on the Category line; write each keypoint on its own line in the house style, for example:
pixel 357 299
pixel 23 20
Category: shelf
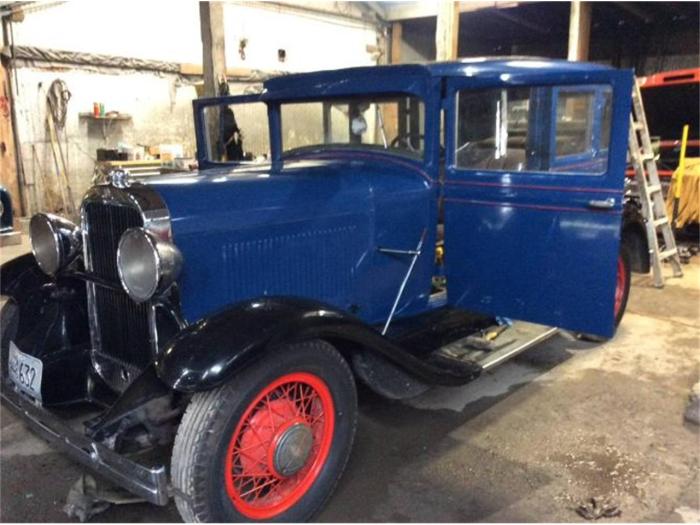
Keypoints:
pixel 120 116
pixel 130 163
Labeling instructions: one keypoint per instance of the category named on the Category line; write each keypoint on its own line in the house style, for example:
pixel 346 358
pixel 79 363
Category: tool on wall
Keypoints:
pixel 57 107
pixel 649 185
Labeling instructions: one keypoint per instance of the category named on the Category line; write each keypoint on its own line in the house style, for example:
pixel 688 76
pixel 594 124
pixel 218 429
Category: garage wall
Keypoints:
pixel 159 103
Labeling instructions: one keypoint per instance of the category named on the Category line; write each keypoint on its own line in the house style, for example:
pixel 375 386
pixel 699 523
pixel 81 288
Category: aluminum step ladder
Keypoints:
pixel 649 187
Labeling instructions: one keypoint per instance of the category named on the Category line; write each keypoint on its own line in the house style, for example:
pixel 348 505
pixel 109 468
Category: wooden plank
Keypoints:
pixel 130 163
pixel 579 30
pixel 397 11
pixel 211 17
pixel 231 72
pixel 390 111
pixel 396 40
pixel 447 30
pixel 8 161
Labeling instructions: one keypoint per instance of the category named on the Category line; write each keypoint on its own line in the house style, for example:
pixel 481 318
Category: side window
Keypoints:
pixel 574 126
pixel 492 129
pixel 237 132
pixel 558 129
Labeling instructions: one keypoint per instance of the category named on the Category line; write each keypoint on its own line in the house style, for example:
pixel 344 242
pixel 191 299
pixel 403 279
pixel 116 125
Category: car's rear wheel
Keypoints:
pixel 271 444
pixel 623 282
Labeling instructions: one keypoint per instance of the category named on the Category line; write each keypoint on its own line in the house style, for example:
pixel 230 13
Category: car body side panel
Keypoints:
pixel 307 228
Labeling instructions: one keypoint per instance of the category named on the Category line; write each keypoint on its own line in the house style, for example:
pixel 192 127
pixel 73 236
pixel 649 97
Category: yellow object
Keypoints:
pixel 678 174
pixel 689 197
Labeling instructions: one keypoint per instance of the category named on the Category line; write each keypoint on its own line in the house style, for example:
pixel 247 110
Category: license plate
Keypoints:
pixel 25 371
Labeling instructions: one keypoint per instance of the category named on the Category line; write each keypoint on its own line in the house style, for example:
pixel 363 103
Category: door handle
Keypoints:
pixel 603 204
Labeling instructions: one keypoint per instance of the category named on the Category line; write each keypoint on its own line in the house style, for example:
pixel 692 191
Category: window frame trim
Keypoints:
pixel 199 106
pixel 575 83
pixel 595 109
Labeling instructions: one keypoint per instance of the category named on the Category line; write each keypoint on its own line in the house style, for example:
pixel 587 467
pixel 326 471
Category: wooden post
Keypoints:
pixel 390 112
pixel 579 30
pixel 396 39
pixel 8 162
pixel 211 18
pixel 447 30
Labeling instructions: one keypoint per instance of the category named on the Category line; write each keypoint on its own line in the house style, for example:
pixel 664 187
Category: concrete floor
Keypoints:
pixel 559 424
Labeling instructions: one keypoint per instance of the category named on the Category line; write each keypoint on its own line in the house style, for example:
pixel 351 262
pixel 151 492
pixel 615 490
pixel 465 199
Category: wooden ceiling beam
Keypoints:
pixel 397 11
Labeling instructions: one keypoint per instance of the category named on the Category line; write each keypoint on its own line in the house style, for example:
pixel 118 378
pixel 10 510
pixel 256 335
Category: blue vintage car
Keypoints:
pixel 383 224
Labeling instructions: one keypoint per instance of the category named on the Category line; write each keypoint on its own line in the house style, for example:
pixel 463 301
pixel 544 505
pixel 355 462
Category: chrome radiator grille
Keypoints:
pixel 122 325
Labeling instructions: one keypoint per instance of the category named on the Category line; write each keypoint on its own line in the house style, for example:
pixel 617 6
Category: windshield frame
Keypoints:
pixel 199 106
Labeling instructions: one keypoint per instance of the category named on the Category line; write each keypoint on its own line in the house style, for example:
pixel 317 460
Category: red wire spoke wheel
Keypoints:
pixel 280 445
pixel 270 443
pixel 622 289
pixel 621 285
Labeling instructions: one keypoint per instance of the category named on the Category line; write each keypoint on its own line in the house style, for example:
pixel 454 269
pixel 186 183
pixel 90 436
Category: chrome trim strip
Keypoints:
pixel 150 484
pixel 499 356
pixel 398 252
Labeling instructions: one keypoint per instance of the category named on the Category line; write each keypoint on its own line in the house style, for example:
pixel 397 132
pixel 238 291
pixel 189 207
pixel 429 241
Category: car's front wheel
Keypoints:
pixel 272 443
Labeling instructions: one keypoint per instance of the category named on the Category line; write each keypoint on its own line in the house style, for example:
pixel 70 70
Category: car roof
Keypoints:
pixel 487 66
pixel 334 80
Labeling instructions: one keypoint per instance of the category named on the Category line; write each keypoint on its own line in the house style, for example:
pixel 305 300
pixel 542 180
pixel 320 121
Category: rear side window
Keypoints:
pixel 559 129
pixel 574 122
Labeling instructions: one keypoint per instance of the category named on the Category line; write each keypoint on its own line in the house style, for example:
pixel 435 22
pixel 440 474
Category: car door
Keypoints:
pixel 533 193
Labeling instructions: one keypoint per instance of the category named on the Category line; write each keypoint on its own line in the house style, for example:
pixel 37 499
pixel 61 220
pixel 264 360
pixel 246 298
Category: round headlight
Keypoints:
pixel 55 241
pixel 146 264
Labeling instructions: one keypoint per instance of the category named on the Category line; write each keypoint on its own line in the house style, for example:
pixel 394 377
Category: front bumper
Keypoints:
pixel 150 484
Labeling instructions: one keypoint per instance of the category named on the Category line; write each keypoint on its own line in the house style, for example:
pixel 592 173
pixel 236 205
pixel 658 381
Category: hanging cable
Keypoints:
pixel 57 99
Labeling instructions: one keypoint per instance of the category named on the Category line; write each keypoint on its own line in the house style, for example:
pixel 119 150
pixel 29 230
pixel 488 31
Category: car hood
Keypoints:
pixel 202 200
pixel 226 218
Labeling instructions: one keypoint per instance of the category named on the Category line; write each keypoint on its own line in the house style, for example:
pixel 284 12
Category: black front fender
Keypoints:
pixel 211 351
pixel 21 276
pixel 47 318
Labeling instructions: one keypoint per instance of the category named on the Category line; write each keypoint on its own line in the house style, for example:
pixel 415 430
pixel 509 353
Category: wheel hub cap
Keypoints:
pixel 292 449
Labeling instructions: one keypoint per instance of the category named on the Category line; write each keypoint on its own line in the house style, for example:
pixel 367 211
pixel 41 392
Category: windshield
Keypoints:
pixel 394 124
pixel 236 132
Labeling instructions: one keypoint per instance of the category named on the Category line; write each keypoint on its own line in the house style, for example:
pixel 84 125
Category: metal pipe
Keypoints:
pixel 416 254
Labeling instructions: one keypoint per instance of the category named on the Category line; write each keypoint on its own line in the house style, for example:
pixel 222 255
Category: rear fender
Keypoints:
pixel 634 236
pixel 210 352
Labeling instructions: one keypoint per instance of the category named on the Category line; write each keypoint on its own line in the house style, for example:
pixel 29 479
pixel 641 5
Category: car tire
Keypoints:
pixel 623 284
pixel 295 409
